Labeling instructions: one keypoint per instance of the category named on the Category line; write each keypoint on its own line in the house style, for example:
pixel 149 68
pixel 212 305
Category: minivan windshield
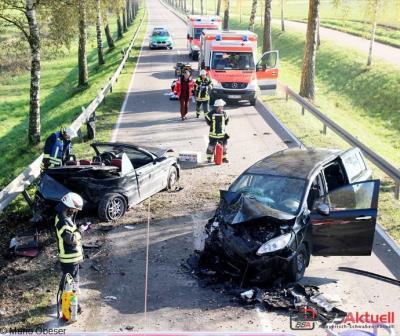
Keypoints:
pixel 197 31
pixel 277 192
pixel 232 61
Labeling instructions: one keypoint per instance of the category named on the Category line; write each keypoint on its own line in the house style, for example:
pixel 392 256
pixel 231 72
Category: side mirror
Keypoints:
pixel 323 209
pixel 188 36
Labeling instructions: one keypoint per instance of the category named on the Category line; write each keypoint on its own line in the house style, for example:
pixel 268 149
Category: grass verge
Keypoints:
pixel 61 100
pixel 30 308
pixel 309 130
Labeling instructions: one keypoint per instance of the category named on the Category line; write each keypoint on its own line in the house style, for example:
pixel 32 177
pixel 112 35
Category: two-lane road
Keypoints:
pixel 176 301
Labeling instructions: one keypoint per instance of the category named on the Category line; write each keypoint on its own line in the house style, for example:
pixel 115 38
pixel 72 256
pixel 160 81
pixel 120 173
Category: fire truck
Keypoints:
pixel 195 26
pixel 229 57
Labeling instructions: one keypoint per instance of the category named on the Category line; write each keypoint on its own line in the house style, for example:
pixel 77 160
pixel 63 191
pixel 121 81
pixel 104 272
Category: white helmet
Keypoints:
pixel 72 201
pixel 219 103
pixel 203 72
pixel 70 133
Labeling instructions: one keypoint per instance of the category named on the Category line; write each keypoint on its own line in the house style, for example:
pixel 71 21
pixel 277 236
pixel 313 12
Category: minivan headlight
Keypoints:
pixel 274 244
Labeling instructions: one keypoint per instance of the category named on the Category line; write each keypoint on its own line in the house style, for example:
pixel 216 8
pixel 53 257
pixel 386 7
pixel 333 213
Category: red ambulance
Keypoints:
pixel 196 25
pixel 230 58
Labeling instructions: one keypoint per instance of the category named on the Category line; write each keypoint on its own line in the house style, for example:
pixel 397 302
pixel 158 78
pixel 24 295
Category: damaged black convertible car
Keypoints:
pixel 119 176
pixel 289 206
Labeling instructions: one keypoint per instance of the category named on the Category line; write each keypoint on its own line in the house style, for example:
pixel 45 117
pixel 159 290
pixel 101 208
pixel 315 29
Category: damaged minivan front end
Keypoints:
pixel 250 241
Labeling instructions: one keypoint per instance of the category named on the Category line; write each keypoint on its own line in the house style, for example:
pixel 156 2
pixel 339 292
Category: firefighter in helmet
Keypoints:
pixel 217 119
pixel 69 236
pixel 58 147
pixel 202 92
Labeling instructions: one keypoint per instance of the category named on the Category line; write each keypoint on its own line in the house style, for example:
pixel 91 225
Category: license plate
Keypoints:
pixel 234 96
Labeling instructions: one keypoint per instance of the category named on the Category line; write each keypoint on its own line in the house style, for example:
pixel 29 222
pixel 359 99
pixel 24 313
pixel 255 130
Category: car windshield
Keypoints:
pixel 109 148
pixel 160 33
pixel 197 31
pixel 233 61
pixel 277 192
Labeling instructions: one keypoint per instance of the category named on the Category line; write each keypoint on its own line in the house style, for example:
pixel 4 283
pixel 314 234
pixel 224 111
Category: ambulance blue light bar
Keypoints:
pixel 245 38
pixel 218 37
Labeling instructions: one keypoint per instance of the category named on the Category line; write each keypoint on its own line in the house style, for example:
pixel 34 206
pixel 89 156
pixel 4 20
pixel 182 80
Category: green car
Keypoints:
pixel 160 38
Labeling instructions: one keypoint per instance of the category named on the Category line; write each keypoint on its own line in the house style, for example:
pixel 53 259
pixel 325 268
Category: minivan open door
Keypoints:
pixel 343 221
pixel 267 72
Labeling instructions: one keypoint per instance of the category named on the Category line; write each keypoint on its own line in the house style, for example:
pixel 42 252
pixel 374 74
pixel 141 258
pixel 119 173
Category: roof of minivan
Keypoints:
pixel 294 162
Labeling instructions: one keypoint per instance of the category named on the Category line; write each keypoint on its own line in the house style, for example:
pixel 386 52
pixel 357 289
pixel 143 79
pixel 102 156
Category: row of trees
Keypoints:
pixel 50 24
pixel 307 86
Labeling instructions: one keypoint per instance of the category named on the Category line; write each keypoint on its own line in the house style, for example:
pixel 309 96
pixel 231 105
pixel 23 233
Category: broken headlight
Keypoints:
pixel 274 244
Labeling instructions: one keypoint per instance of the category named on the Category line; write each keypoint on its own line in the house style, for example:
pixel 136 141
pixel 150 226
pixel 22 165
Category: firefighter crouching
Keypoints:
pixel 202 92
pixel 58 148
pixel 217 119
pixel 69 237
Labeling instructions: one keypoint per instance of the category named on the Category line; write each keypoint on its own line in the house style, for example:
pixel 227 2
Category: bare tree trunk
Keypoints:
pixel 99 26
pixel 267 26
pixel 124 26
pixel 318 35
pixel 282 17
pixel 240 11
pixel 34 101
pixel 226 14
pixel 253 15
pixel 133 9
pixel 192 7
pixel 218 12
pixel 202 7
pixel 119 26
pixel 82 57
pixel 307 85
pixel 261 12
pixel 109 38
pixel 373 32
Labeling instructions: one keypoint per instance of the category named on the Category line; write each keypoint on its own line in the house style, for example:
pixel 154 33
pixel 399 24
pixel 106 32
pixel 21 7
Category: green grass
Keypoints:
pixel 61 100
pixel 364 101
pixel 37 305
pixel 309 130
pixel 350 17
pixel 384 35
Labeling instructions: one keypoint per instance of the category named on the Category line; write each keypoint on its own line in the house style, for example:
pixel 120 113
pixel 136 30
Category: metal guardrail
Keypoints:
pixel 32 172
pixel 376 159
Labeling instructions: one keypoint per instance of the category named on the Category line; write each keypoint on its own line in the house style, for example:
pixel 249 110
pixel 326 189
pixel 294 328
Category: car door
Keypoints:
pixel 343 221
pixel 267 72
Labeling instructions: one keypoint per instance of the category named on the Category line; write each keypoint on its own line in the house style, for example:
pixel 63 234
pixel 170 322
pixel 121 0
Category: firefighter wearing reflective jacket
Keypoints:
pixel 217 119
pixel 202 92
pixel 58 147
pixel 69 236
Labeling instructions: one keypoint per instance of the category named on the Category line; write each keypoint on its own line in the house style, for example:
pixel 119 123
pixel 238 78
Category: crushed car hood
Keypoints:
pixel 236 208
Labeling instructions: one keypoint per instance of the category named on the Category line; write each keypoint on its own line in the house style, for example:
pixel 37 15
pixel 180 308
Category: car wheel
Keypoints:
pixel 298 264
pixel 195 56
pixel 112 207
pixel 172 178
pixel 253 102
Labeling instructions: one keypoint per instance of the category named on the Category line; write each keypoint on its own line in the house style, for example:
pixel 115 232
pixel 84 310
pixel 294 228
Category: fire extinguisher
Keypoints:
pixel 68 299
pixel 218 154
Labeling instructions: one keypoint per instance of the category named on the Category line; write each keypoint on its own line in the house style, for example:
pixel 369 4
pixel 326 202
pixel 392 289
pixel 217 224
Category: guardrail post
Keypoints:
pixel 324 129
pixel 302 110
pixel 287 95
pixel 397 190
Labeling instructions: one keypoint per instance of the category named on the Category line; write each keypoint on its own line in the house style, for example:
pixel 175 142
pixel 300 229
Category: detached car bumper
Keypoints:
pixel 235 95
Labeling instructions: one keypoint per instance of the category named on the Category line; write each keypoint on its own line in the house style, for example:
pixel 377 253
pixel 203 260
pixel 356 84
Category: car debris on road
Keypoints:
pixel 288 206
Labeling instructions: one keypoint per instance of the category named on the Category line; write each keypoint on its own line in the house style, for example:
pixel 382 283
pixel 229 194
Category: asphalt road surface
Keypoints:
pixel 114 294
pixel 383 51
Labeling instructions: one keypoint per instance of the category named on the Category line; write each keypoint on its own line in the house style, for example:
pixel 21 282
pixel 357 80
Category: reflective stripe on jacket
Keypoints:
pixel 202 89
pixel 217 121
pixel 69 241
pixel 56 149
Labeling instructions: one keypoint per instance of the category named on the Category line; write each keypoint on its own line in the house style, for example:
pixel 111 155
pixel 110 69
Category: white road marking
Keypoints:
pixel 116 127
